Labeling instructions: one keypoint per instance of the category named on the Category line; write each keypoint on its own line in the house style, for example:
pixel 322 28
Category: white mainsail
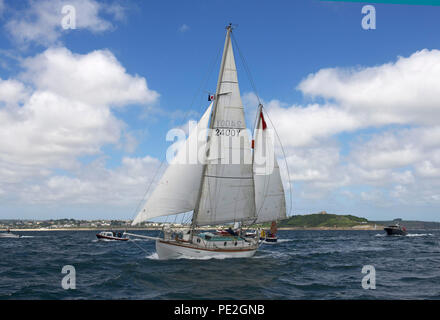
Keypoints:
pixel 179 187
pixel 269 192
pixel 227 193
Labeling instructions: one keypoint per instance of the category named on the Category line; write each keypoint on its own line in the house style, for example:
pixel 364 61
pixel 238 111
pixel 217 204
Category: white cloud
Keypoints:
pixel 386 151
pixel 61 113
pixel 399 163
pixel 313 164
pixel 398 148
pixel 95 78
pixel 96 184
pixel 403 92
pixel 41 21
pixel 59 110
pixel 427 169
pixel 305 126
pixel 12 92
pixel 51 130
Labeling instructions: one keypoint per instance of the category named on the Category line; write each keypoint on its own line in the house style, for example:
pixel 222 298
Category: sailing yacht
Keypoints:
pixel 217 189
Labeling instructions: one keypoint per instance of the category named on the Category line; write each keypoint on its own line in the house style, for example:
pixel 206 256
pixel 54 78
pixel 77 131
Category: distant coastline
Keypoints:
pixel 315 221
pixel 160 228
pixel 157 228
pixel 79 229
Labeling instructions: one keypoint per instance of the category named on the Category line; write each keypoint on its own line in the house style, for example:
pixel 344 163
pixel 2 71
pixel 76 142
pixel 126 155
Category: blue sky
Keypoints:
pixel 355 123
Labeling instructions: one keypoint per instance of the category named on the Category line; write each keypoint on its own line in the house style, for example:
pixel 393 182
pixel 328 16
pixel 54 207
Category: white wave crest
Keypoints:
pixel 153 256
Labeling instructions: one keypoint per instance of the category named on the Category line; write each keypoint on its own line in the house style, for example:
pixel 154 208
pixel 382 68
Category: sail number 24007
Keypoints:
pixel 227 132
pixel 229 128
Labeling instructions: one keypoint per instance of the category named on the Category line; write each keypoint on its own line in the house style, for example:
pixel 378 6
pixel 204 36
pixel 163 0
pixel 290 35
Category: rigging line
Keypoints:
pixel 251 80
pixel 205 80
pixel 149 187
pixel 247 69
pixel 285 160
pixel 183 218
pixel 138 246
pixel 202 84
pixel 175 219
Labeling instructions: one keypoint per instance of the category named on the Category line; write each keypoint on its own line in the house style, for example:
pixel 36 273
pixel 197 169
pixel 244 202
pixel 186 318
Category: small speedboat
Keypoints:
pixel 9 235
pixel 396 230
pixel 271 237
pixel 111 235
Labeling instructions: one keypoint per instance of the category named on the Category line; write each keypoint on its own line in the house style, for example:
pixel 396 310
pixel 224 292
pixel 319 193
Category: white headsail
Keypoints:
pixel 269 192
pixel 179 187
pixel 227 193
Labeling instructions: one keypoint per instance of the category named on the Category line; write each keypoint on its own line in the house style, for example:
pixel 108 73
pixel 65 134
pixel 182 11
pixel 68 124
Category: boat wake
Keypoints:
pixel 106 240
pixel 153 256
pixel 408 235
pixel 278 242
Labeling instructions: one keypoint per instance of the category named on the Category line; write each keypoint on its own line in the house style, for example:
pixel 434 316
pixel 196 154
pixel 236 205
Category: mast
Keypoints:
pixel 214 111
pixel 260 110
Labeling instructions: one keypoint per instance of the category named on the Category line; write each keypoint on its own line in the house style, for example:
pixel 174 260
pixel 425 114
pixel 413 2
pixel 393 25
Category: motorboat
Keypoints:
pixel 396 230
pixel 112 235
pixel 9 234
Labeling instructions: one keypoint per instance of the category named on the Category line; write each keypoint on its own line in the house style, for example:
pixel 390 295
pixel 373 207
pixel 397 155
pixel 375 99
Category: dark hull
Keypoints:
pixel 111 238
pixel 395 232
pixel 269 239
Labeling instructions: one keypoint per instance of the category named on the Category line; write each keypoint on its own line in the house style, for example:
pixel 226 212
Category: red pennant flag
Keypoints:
pixel 263 123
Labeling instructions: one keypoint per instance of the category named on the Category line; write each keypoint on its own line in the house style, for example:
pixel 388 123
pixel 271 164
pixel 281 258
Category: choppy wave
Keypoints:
pixel 278 241
pixel 301 265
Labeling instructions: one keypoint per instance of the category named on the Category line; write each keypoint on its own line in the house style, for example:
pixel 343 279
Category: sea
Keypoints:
pixel 302 265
